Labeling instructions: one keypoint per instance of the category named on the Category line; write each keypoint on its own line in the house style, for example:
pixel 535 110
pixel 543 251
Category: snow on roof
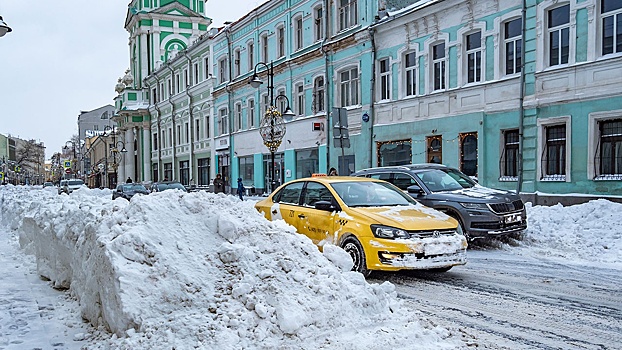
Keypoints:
pixel 200 270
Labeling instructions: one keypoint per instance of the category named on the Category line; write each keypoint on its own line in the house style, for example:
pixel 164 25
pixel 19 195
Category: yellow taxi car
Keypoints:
pixel 375 222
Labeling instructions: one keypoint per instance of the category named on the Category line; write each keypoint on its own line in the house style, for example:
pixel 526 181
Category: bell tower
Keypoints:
pixel 159 29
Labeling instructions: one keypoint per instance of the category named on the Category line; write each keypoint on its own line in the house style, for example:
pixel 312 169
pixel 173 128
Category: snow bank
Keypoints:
pixel 198 270
pixel 590 232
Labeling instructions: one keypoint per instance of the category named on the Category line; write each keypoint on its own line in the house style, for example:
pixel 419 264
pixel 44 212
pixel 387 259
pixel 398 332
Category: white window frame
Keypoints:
pixel 410 71
pixel 352 85
pixel 502 150
pixel 615 14
pixel 441 63
pixel 281 103
pixel 516 42
pixel 250 54
pixel 347 14
pixel 186 80
pixel 542 45
pixel 318 23
pixel 593 142
pixel 299 99
pixel 223 74
pixel 195 73
pixel 319 92
pixel 474 56
pixel 206 67
pixel 263 42
pixel 251 106
pixel 298 26
pixel 542 124
pixel 238 116
pixel 177 85
pixel 223 121
pixel 264 103
pixel 384 81
pixel 280 41
pixel 170 87
pixel 236 63
pixel 558 30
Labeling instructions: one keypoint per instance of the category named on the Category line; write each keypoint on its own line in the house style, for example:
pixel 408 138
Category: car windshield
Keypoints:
pixel 134 188
pixel 437 180
pixel 171 186
pixel 370 194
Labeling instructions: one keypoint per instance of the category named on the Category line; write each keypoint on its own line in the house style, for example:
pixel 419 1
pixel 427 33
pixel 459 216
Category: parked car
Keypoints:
pixel 167 185
pixel 381 227
pixel 48 184
pixel 481 211
pixel 70 185
pixel 129 190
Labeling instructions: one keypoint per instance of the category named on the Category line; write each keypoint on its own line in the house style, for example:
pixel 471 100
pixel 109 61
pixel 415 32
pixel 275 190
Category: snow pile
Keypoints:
pixel 204 271
pixel 589 232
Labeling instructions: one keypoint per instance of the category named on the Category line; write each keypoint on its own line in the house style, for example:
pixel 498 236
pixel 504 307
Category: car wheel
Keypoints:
pixel 353 247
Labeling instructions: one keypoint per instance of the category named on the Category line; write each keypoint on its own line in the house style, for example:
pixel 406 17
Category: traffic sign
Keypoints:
pixel 67 164
pixel 1 176
pixel 68 171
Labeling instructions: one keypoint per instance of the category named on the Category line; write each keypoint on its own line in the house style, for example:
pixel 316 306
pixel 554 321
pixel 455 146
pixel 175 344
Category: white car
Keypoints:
pixel 68 186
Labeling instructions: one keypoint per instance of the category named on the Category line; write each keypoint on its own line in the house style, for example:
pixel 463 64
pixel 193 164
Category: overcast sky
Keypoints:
pixel 63 57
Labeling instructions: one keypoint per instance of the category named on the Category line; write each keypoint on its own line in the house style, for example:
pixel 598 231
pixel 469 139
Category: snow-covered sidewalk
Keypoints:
pixel 32 314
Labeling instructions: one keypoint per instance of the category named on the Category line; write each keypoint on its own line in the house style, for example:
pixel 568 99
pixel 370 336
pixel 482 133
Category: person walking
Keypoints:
pixel 241 189
pixel 219 184
pixel 332 172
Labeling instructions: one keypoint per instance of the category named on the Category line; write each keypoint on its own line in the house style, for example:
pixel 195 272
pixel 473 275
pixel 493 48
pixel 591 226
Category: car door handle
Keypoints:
pixel 302 216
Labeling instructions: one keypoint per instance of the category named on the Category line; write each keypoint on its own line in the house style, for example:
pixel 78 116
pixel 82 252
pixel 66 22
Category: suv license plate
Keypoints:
pixel 509 219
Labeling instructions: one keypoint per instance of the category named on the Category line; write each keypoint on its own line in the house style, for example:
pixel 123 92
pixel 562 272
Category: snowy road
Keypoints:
pixel 506 301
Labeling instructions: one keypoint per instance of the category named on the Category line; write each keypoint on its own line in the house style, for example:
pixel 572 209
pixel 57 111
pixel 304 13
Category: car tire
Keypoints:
pixel 353 247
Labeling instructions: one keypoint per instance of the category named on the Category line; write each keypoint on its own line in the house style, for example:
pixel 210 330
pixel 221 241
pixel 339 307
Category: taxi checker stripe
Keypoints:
pixel 342 222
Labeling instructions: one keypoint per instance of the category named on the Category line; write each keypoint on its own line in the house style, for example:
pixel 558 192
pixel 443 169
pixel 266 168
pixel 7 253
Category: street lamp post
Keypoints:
pixel 116 153
pixel 4 28
pixel 73 160
pixel 272 125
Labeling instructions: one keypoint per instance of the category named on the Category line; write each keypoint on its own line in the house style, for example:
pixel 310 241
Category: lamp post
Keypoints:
pixel 4 28
pixel 272 125
pixel 116 153
pixel 73 161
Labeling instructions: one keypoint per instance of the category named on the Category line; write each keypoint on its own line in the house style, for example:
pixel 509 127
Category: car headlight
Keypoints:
pixel 480 206
pixel 388 232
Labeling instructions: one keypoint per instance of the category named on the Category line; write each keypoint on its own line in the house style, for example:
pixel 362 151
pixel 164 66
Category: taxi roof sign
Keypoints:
pixel 318 175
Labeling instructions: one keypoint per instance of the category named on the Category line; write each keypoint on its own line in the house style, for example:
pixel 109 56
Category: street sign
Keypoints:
pixel 1 176
pixel 68 171
pixel 67 164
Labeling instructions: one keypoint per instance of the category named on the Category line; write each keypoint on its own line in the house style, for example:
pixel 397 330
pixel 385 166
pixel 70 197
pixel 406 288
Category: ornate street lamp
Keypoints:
pixel 117 154
pixel 272 125
pixel 4 28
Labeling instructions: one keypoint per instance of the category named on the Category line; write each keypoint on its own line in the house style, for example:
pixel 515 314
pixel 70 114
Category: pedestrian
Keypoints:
pixel 166 178
pixel 332 172
pixel 241 189
pixel 129 180
pixel 219 184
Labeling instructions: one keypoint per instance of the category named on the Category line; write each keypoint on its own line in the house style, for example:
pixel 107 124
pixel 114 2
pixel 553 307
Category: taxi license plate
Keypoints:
pixel 510 219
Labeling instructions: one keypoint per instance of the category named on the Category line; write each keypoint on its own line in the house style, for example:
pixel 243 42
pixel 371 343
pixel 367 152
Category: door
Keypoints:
pixel 316 224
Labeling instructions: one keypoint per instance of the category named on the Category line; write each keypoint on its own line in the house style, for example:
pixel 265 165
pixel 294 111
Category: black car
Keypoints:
pixel 167 185
pixel 128 190
pixel 482 211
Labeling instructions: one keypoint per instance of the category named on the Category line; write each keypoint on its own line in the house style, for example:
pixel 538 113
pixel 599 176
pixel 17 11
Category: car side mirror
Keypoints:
pixel 325 206
pixel 414 189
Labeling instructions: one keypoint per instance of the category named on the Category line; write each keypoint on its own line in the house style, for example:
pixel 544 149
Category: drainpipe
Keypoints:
pixel 372 92
pixel 170 97
pixel 191 121
pixel 521 108
pixel 327 100
pixel 155 104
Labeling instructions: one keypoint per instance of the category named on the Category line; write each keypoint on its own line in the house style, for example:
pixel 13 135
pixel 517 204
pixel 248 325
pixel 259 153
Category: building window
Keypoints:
pixel 154 96
pixel 394 153
pixel 347 14
pixel 177 136
pixel 282 103
pixel 438 66
pixel 554 152
pixel 410 73
pixel 222 70
pixel 203 168
pixel 184 172
pixel 610 152
pixel 349 87
pixel 155 174
pixel 474 57
pixel 611 11
pixel 512 39
pixel 207 124
pixel 177 84
pixel 238 116
pixel 264 47
pixel 187 132
pixel 197 129
pixel 162 93
pixel 318 95
pixel 559 35
pixel 170 87
pixel 264 104
pixel 223 124
pixel 247 169
pixel 298 43
pixel 300 99
pixel 251 113
pixel 435 149
pixel 206 67
pixel 385 79
pixel 250 49
pixel 468 153
pixel 509 160
pixel 186 80
pixel 163 140
pixel 307 163
pixel 280 37
pixel 236 63
pixel 195 71
pixel 155 141
pixel 318 23
pixel 168 171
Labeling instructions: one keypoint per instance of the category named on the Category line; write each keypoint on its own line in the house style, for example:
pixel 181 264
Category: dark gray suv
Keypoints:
pixel 482 212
